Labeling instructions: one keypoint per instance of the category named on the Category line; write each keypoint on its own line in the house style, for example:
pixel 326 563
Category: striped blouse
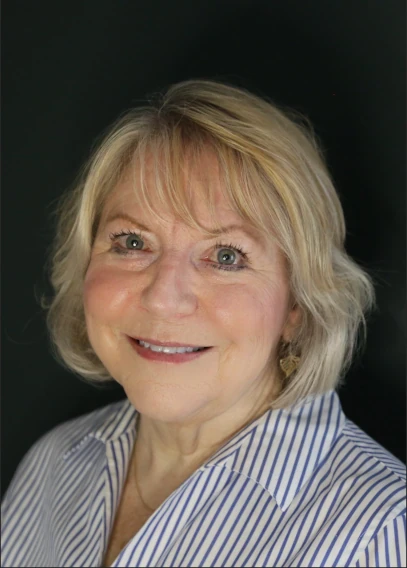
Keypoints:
pixel 296 487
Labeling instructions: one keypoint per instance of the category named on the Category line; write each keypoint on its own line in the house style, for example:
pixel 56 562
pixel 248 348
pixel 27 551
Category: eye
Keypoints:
pixel 134 242
pixel 126 241
pixel 227 255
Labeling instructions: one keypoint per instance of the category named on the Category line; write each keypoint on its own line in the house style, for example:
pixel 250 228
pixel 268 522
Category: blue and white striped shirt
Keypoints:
pixel 296 487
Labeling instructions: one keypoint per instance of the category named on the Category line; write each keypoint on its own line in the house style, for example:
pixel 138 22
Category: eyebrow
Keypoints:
pixel 251 233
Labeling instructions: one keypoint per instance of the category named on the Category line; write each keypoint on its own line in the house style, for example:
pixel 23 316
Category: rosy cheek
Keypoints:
pixel 105 292
pixel 234 307
pixel 258 311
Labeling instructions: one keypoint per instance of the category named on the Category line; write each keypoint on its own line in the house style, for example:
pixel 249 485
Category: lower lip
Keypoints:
pixel 165 357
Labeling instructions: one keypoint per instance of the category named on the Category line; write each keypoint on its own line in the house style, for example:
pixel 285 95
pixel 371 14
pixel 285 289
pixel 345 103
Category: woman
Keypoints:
pixel 200 263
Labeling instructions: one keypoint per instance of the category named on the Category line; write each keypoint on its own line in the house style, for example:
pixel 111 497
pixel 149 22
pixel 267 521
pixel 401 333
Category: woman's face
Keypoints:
pixel 165 282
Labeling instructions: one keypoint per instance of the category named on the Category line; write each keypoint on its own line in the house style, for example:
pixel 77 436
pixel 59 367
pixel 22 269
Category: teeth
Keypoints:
pixel 161 349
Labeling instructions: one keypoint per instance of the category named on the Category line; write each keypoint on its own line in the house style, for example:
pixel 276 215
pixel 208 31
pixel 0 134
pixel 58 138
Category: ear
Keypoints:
pixel 292 322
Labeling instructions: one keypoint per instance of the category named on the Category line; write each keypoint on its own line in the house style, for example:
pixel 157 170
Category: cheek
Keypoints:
pixel 105 293
pixel 252 316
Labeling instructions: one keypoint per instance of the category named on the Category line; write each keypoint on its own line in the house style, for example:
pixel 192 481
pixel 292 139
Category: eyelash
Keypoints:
pixel 218 245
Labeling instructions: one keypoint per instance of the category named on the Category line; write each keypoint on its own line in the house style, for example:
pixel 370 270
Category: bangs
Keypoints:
pixel 167 164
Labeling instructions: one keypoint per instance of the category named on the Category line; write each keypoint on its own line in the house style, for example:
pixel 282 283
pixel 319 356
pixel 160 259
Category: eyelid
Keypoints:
pixel 113 236
pixel 143 234
pixel 123 232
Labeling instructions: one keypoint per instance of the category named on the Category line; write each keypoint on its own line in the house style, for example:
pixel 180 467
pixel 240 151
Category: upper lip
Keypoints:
pixel 166 343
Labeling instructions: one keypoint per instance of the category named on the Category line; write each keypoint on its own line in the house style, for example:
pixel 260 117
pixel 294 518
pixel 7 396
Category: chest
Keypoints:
pixel 132 514
pixel 130 518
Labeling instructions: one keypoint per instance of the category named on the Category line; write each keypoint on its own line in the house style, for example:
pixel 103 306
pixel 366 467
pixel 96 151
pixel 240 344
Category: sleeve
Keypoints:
pixel 388 547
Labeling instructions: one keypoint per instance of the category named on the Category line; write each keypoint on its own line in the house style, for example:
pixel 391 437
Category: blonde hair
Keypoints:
pixel 274 175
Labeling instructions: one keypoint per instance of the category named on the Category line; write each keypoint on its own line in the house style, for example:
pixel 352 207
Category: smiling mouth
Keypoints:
pixel 168 349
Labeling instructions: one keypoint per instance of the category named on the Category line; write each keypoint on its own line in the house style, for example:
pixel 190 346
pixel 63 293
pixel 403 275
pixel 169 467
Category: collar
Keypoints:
pixel 280 450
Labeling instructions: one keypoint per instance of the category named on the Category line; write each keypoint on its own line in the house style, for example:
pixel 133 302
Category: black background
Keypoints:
pixel 69 68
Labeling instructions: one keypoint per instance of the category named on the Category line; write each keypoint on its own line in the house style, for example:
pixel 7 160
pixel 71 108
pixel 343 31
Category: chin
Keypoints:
pixel 166 403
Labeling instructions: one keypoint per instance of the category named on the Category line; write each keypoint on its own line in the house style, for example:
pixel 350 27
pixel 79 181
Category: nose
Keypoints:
pixel 168 292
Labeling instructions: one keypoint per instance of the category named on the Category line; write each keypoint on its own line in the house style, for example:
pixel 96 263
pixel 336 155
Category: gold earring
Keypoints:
pixel 289 364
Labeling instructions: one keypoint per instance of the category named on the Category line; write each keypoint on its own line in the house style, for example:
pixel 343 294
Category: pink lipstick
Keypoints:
pixel 150 355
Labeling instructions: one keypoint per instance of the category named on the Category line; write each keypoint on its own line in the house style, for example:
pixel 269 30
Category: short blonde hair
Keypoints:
pixel 275 177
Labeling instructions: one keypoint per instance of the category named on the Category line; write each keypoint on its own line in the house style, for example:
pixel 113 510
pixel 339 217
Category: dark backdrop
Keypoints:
pixel 70 67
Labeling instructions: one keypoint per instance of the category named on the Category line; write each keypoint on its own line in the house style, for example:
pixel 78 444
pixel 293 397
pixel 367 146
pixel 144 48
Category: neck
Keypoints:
pixel 165 451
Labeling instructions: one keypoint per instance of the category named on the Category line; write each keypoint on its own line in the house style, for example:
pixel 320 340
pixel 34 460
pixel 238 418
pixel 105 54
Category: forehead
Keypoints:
pixel 197 185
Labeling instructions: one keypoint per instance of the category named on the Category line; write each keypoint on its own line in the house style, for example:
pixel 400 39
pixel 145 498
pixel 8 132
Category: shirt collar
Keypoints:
pixel 121 421
pixel 280 450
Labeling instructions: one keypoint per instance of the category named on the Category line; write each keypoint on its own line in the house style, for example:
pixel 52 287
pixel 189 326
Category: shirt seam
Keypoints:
pixel 377 531
pixel 370 454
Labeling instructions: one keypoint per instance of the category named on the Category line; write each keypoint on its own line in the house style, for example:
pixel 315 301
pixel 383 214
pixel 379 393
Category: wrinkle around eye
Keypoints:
pixel 257 258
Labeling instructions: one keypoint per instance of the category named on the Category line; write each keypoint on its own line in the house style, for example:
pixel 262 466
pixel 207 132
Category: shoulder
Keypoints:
pixel 366 488
pixel 57 444
pixel 372 453
pixel 64 437
pixel 61 472
pixel 369 479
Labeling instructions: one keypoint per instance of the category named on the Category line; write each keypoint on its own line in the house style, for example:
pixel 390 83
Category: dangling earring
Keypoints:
pixel 289 364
